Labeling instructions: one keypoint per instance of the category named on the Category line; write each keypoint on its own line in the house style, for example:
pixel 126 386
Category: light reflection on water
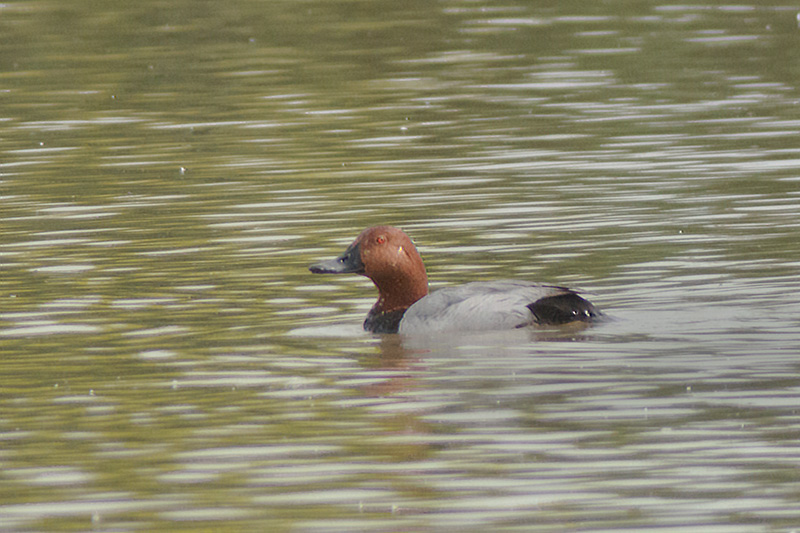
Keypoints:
pixel 168 361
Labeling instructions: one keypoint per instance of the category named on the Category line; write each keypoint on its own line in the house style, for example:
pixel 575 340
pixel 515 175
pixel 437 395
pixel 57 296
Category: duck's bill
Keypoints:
pixel 347 263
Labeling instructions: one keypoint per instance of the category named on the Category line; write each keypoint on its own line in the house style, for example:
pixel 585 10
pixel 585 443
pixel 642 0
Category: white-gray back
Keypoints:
pixel 477 306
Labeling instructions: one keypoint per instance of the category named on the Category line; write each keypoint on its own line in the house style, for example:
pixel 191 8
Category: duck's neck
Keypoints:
pixel 396 296
pixel 400 292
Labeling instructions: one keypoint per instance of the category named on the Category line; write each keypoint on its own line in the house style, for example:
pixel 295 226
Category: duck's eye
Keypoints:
pixel 381 239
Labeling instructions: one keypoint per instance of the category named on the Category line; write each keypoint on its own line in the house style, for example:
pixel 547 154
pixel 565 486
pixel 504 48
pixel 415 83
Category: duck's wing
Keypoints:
pixel 495 305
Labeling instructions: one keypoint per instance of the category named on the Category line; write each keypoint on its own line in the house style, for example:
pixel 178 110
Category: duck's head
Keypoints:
pixel 387 256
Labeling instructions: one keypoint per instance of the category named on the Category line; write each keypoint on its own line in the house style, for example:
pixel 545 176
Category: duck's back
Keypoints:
pixel 494 305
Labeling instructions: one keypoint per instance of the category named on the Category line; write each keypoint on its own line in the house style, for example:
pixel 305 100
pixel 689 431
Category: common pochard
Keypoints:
pixel 387 256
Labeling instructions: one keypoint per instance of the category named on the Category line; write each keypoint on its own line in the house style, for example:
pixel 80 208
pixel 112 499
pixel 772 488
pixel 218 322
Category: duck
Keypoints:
pixel 387 256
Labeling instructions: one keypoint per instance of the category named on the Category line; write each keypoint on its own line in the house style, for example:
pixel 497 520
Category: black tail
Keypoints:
pixel 563 308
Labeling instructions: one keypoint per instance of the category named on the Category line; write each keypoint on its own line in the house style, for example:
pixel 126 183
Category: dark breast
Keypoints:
pixel 380 322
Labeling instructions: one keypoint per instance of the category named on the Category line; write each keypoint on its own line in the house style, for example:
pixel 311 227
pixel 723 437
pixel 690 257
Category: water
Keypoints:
pixel 169 171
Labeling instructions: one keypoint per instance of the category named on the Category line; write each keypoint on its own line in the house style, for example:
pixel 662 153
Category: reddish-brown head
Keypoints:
pixel 387 256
